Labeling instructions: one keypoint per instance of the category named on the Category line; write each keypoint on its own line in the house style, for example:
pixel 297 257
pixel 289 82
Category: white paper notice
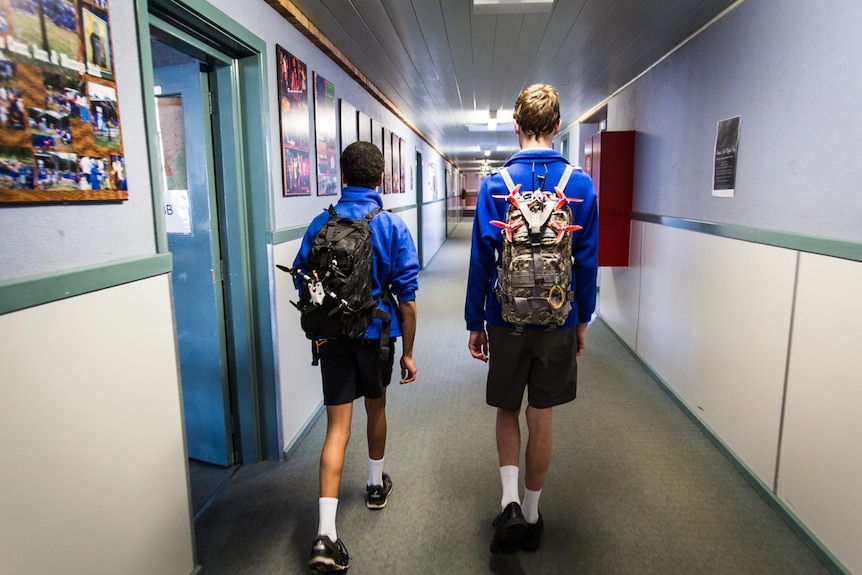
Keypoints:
pixel 726 156
pixel 177 217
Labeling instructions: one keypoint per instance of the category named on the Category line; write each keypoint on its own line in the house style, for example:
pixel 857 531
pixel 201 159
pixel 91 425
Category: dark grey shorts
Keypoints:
pixel 351 369
pixel 545 362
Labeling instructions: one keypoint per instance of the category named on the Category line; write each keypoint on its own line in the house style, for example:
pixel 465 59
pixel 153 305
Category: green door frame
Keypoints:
pixel 420 198
pixel 243 183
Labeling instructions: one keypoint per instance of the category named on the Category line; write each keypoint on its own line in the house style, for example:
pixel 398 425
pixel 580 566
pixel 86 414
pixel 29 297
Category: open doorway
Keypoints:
pixel 206 129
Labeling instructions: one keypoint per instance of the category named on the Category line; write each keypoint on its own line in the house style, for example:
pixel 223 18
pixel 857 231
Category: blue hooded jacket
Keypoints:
pixel 481 306
pixel 395 260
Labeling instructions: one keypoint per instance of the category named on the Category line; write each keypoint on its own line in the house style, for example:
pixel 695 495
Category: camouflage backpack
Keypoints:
pixel 534 278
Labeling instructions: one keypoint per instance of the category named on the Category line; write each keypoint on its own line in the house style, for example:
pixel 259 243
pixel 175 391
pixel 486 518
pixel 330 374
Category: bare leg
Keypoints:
pixel 376 427
pixel 538 457
pixel 508 437
pixel 332 457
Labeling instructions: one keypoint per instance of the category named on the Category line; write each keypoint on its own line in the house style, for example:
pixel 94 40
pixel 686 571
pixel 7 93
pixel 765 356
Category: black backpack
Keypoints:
pixel 336 300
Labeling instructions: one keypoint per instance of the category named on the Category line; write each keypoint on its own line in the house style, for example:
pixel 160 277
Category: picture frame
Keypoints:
pixel 60 129
pixel 294 120
pixel 325 126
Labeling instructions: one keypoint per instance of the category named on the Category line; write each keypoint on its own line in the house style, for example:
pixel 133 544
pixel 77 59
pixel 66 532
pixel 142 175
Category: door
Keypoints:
pixel 183 111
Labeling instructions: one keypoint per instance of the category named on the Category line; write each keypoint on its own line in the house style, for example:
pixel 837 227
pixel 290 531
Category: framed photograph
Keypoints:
pixel 294 121
pixel 396 164
pixel 325 120
pixel 387 161
pixel 364 126
pixel 349 124
pixel 376 135
pixel 96 42
pixel 402 154
pixel 60 132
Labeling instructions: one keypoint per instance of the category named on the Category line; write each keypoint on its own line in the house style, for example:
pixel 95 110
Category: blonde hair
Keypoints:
pixel 537 110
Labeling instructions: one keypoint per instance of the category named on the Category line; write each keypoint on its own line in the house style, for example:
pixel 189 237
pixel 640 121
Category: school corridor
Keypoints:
pixel 159 159
pixel 635 486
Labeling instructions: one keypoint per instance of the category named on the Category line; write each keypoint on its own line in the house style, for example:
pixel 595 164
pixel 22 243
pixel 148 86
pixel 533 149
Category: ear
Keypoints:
pixel 558 128
pixel 517 127
pixel 380 179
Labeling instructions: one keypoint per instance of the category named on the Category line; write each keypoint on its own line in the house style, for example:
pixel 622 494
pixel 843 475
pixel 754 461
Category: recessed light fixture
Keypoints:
pixel 511 6
pixel 492 121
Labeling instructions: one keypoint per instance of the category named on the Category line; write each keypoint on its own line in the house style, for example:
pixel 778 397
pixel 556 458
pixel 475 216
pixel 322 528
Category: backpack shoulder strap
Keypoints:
pixel 564 179
pixel 371 214
pixel 507 177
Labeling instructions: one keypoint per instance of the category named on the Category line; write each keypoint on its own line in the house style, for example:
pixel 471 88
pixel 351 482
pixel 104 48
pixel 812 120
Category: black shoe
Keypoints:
pixel 509 530
pixel 376 496
pixel 327 556
pixel 533 537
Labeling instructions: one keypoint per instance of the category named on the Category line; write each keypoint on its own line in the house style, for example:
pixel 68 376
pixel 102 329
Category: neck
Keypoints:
pixel 526 141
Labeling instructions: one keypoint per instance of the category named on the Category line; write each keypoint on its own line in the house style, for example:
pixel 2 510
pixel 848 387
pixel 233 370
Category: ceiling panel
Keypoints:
pixel 441 66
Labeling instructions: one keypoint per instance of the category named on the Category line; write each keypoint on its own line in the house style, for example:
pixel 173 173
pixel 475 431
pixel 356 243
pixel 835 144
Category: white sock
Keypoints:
pixel 509 477
pixel 375 471
pixel 327 506
pixel 530 508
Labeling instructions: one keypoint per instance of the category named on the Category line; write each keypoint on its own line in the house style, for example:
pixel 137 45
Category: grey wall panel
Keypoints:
pixel 41 239
pixel 788 75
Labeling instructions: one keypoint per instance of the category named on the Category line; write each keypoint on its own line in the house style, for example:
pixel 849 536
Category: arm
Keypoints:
pixel 483 258
pixel 407 319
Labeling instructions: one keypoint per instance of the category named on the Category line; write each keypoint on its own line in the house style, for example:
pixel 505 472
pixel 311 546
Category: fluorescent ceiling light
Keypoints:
pixel 492 121
pixel 504 127
pixel 511 6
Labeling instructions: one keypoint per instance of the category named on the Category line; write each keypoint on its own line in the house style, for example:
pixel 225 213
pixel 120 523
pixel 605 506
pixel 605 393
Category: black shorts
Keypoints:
pixel 352 369
pixel 545 362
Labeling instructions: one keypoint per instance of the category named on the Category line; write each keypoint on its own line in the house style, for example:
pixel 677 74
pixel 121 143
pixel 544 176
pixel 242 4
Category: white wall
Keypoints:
pixel 820 476
pixel 94 465
pixel 758 341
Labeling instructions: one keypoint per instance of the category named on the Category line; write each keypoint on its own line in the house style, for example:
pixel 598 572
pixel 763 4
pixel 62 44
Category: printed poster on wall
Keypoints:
pixel 325 119
pixel 294 120
pixel 726 156
pixel 60 133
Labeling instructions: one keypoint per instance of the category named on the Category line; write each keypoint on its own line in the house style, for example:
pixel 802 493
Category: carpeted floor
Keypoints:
pixel 634 486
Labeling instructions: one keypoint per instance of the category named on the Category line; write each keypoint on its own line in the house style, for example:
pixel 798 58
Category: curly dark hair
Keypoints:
pixel 362 165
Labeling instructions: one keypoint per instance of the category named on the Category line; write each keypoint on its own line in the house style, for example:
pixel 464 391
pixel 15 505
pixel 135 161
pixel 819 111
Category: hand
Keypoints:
pixel 581 334
pixel 408 370
pixel 478 345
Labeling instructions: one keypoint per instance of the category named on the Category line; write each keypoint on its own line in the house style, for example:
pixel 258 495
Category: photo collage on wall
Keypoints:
pixel 329 120
pixel 60 133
